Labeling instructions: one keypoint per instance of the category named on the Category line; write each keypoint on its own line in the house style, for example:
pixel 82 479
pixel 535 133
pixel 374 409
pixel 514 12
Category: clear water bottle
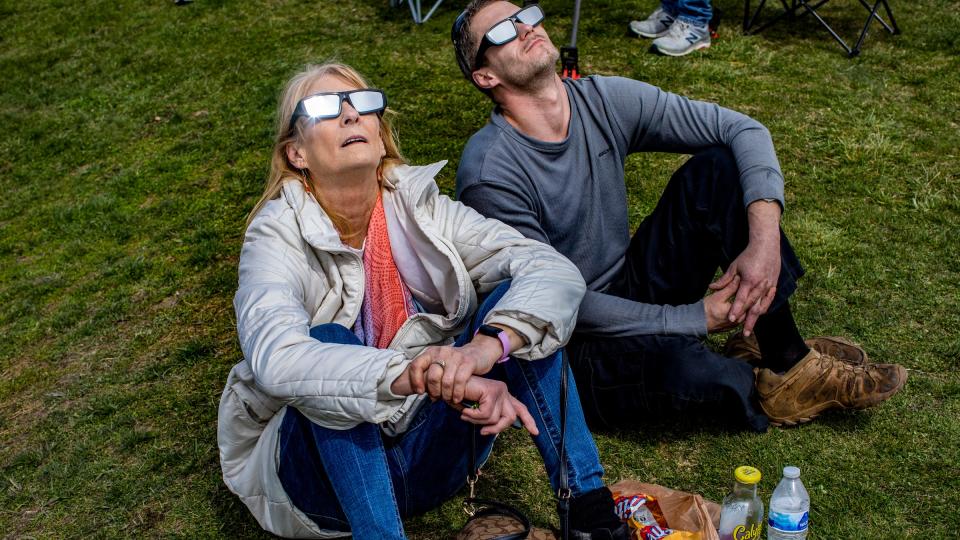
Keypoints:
pixel 741 515
pixel 789 508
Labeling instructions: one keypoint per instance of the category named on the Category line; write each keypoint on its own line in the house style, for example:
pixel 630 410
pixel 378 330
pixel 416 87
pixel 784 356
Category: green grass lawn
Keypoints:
pixel 136 136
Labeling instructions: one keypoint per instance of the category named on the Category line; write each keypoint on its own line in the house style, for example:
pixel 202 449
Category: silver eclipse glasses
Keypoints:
pixel 505 31
pixel 328 104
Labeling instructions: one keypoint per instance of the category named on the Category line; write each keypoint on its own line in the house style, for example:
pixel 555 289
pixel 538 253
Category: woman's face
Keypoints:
pixel 349 143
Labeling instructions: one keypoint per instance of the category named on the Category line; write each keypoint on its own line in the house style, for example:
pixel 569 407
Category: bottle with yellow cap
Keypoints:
pixel 741 515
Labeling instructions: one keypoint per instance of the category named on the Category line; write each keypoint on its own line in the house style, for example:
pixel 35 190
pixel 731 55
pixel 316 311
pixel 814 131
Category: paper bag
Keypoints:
pixel 683 511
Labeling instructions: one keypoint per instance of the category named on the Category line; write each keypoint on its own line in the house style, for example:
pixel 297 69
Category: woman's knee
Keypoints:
pixel 334 333
pixel 490 299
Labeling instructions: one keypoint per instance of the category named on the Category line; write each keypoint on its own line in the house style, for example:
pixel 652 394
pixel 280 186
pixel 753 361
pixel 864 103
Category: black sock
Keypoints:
pixel 781 345
pixel 593 510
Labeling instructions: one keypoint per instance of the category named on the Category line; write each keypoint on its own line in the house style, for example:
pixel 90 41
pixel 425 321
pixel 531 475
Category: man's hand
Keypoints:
pixel 758 267
pixel 496 409
pixel 717 307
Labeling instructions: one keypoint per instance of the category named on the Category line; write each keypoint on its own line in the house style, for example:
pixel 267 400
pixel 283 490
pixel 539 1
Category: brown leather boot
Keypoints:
pixel 747 348
pixel 820 382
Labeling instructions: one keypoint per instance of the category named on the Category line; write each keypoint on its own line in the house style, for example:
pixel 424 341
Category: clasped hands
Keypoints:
pixel 745 291
pixel 455 374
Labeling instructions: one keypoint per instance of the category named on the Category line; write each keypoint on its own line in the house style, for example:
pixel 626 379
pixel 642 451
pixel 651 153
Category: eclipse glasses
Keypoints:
pixel 506 31
pixel 329 104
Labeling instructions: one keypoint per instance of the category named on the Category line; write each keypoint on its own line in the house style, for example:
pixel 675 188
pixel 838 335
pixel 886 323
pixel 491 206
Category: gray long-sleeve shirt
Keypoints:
pixel 571 194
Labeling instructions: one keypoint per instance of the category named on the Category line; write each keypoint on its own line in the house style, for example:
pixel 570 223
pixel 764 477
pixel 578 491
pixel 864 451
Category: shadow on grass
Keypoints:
pixel 682 428
pixel 847 21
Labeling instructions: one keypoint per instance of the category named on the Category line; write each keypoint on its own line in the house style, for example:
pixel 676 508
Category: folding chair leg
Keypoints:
pixel 415 10
pixel 896 29
pixel 836 36
pixel 811 6
pixel 866 27
pixel 878 17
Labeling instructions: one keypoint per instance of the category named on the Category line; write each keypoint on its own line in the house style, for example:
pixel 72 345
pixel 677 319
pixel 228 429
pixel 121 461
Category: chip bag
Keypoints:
pixel 647 507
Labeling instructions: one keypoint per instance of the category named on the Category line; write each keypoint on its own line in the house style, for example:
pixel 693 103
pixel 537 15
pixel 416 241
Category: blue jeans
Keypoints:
pixel 362 481
pixel 695 12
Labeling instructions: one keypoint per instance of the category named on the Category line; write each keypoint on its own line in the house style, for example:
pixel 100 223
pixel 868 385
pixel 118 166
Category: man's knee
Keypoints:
pixel 717 162
pixel 709 176
pixel 719 158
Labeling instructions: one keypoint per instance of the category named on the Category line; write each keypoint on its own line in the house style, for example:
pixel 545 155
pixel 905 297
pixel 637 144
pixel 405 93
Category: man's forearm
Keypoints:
pixel 763 218
pixel 611 316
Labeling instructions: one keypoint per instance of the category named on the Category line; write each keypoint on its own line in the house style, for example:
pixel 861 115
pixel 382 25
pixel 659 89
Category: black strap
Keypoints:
pixel 563 493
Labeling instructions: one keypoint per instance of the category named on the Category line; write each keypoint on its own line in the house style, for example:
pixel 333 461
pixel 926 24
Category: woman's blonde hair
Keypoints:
pixel 281 170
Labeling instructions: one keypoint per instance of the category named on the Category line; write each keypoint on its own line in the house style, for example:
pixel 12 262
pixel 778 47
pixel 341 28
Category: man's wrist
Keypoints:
pixel 763 218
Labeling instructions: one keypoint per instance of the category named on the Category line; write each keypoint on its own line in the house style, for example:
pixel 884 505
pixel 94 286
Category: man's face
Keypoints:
pixel 522 61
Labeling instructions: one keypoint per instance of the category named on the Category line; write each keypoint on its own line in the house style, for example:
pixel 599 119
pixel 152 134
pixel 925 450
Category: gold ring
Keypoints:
pixel 439 363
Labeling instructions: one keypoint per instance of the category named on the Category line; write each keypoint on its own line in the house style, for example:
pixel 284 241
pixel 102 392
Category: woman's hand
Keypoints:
pixel 495 409
pixel 717 307
pixel 443 371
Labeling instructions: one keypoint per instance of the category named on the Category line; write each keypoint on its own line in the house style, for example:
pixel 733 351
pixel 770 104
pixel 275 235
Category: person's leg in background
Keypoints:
pixel 695 12
pixel 690 31
pixel 657 23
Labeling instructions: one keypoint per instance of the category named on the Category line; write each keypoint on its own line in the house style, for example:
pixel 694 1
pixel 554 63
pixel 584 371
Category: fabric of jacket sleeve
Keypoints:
pixel 545 289
pixel 600 314
pixel 653 120
pixel 335 385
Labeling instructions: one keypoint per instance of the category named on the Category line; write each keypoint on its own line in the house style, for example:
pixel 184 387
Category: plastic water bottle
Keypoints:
pixel 789 508
pixel 741 515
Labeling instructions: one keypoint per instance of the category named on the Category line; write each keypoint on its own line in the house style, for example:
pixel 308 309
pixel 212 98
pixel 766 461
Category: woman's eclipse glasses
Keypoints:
pixel 329 104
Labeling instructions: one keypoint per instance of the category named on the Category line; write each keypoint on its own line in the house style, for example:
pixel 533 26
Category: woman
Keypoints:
pixel 356 276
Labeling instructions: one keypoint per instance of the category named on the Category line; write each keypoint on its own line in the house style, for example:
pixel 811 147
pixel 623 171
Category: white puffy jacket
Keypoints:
pixel 295 274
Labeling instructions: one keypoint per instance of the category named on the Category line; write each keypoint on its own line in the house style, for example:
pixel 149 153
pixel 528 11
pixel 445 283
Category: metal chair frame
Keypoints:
pixel 417 11
pixel 790 11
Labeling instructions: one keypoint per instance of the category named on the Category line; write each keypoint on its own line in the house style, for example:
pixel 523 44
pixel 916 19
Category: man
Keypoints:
pixel 551 164
pixel 678 27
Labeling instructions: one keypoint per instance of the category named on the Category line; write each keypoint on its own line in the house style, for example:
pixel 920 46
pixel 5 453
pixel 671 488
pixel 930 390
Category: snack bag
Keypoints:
pixel 652 532
pixel 683 535
pixel 656 532
pixel 643 514
pixel 682 511
pixel 638 508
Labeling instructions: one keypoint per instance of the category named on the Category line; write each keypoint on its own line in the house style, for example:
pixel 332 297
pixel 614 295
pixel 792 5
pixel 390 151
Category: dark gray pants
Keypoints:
pixel 698 226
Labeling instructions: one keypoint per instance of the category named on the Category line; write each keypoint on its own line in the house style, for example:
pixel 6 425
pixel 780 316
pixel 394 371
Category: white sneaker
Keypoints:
pixel 683 38
pixel 656 25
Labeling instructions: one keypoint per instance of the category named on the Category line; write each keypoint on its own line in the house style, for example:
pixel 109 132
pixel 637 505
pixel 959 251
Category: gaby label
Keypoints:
pixel 747 532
